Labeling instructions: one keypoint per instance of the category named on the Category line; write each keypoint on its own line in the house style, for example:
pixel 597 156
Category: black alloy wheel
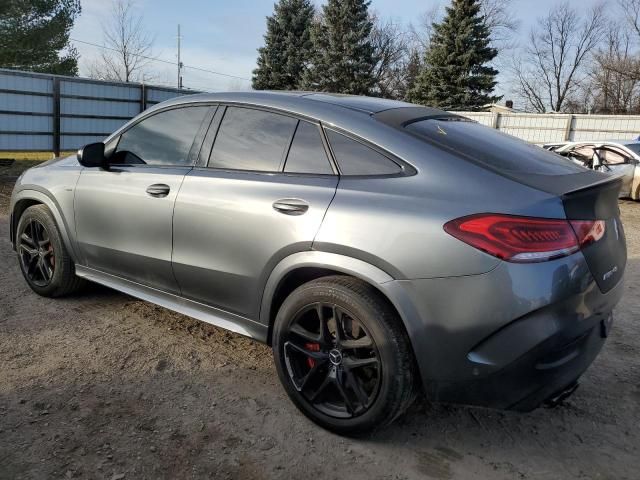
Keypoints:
pixel 44 260
pixel 37 255
pixel 343 355
pixel 332 360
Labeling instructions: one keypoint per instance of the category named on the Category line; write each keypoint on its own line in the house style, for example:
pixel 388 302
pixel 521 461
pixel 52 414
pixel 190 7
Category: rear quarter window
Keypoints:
pixel 492 148
pixel 355 158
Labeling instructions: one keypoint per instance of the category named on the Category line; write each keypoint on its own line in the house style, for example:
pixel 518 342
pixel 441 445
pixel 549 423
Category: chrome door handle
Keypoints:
pixel 158 190
pixel 291 206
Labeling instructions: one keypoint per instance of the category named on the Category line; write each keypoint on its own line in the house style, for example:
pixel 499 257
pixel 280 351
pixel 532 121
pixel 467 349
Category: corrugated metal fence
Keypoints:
pixel 53 113
pixel 550 128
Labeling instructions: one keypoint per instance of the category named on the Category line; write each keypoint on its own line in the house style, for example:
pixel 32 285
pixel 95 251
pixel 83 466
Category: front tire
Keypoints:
pixel 343 355
pixel 44 260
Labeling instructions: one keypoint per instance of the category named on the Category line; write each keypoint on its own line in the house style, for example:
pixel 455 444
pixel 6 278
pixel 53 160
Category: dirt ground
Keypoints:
pixel 104 386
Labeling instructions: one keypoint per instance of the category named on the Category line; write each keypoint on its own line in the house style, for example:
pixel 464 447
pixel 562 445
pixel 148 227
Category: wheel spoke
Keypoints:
pixel 351 362
pixel 312 373
pixel 364 342
pixel 317 356
pixel 354 384
pixel 343 393
pixel 46 269
pixel 323 386
pixel 42 269
pixel 304 333
pixel 32 252
pixel 26 239
pixel 32 266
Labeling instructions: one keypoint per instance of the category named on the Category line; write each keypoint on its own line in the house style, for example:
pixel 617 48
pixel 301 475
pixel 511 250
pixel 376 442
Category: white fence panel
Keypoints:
pixel 551 128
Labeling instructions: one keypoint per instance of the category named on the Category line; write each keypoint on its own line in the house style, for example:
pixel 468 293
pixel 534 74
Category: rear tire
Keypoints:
pixel 357 377
pixel 44 260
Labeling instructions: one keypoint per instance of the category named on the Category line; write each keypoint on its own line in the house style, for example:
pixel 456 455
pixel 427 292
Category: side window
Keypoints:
pixel 251 140
pixel 307 154
pixel 612 157
pixel 163 139
pixel 354 158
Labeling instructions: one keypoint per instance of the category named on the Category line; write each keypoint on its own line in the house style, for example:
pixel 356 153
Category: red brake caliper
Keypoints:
pixel 312 347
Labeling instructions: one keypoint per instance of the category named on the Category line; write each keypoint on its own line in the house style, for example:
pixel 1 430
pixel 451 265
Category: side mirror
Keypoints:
pixel 92 155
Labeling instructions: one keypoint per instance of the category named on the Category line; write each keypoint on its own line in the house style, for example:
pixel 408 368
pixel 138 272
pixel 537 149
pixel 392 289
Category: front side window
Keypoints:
pixel 355 158
pixel 307 154
pixel 251 140
pixel 164 139
pixel 612 157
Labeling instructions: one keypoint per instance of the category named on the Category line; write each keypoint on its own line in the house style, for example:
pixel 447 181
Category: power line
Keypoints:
pixel 162 60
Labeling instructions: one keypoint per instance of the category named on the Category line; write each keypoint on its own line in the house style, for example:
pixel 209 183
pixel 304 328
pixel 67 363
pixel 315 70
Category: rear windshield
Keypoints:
pixel 488 146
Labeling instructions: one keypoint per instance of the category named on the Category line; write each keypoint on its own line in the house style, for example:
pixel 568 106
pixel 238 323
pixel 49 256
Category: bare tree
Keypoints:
pixel 554 64
pixel 615 91
pixel 127 48
pixel 629 65
pixel 391 48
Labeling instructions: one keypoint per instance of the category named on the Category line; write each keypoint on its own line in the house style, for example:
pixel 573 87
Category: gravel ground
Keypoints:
pixel 102 385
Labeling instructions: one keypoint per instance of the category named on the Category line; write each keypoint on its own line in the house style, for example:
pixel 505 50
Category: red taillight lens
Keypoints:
pixel 525 239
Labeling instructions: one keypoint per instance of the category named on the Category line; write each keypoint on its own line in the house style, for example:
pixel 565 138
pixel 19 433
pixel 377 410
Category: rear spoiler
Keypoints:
pixel 596 201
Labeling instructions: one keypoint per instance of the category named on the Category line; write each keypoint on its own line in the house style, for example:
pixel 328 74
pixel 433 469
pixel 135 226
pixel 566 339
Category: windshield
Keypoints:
pixel 492 148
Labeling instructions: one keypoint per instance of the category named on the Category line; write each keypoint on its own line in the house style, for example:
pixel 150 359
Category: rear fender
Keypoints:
pixel 371 274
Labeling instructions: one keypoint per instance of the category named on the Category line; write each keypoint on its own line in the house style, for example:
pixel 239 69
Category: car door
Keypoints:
pixel 616 162
pixel 268 184
pixel 124 213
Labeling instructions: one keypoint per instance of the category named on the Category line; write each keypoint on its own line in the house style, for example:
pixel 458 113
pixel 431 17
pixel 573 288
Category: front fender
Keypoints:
pixel 35 194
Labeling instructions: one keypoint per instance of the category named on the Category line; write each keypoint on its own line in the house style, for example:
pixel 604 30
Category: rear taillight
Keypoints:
pixel 525 239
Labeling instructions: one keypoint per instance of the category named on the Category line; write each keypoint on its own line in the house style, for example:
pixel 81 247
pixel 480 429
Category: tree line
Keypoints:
pixel 574 59
pixel 345 48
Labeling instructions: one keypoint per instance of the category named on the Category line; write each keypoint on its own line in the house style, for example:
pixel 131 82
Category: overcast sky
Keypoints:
pixel 223 35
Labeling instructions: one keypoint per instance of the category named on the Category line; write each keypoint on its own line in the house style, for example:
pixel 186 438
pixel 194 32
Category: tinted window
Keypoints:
pixel 307 153
pixel 162 139
pixel 251 140
pixel 492 148
pixel 354 158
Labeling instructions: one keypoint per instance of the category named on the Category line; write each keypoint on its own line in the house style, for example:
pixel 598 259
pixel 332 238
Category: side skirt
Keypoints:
pixel 199 311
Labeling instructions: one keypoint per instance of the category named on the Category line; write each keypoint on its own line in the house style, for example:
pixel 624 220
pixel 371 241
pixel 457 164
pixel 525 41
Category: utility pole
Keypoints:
pixel 179 62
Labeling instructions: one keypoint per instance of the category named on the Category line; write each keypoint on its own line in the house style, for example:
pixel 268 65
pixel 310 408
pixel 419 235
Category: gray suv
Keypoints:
pixel 380 248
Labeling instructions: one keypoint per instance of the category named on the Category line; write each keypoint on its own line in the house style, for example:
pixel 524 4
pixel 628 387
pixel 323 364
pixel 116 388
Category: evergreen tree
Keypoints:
pixel 344 58
pixel 455 74
pixel 287 48
pixel 34 35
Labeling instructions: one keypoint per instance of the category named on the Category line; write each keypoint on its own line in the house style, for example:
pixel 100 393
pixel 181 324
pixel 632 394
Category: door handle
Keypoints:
pixel 291 206
pixel 158 190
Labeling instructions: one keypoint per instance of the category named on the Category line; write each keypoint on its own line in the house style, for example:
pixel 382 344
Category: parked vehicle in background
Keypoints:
pixel 552 147
pixel 614 157
pixel 332 227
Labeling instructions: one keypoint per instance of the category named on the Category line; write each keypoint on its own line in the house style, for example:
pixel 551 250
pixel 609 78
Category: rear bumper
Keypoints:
pixel 540 374
pixel 510 338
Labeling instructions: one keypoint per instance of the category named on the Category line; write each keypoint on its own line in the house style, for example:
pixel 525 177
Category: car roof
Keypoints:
pixel 298 101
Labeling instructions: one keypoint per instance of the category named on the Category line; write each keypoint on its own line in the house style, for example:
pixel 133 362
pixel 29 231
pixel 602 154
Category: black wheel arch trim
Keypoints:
pixel 38 195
